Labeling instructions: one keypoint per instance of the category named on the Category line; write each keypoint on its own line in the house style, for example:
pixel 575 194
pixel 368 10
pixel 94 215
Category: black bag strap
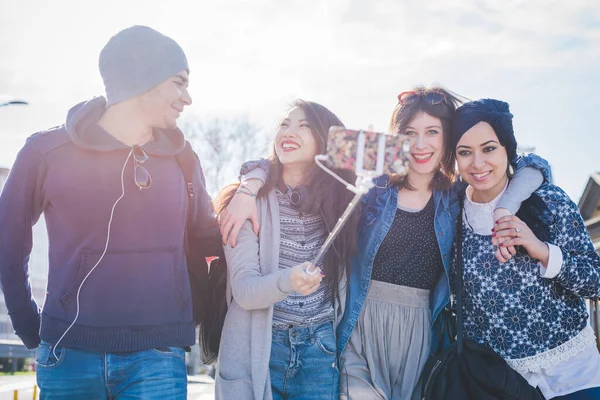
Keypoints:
pixel 187 163
pixel 459 277
pixel 198 276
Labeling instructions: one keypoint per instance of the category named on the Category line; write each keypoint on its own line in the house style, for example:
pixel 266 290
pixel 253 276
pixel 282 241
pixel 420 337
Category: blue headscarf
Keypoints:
pixel 495 113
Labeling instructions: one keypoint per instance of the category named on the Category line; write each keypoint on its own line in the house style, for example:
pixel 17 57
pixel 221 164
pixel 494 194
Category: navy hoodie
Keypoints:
pixel 139 295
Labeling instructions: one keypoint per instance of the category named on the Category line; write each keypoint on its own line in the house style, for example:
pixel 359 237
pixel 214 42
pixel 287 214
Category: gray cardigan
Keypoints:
pixel 254 284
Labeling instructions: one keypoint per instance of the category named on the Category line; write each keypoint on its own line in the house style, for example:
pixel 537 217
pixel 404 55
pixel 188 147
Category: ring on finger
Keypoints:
pixel 517 231
pixel 310 271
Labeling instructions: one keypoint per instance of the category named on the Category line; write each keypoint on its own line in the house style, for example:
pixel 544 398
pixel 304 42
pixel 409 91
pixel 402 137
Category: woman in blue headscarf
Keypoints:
pixel 531 309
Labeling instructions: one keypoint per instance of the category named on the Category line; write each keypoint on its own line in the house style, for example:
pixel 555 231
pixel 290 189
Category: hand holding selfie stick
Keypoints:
pixel 364 182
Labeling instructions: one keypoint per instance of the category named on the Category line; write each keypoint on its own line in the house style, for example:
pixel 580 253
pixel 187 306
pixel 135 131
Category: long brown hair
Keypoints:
pixel 403 115
pixel 325 195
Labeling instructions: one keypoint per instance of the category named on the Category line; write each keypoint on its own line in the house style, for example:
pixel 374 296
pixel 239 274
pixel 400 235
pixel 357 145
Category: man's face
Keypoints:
pixel 163 104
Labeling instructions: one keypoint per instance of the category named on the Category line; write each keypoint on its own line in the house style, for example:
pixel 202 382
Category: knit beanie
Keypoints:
pixel 494 112
pixel 137 59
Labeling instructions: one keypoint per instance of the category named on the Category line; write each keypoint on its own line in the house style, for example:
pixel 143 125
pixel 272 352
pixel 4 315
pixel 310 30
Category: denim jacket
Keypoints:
pixel 379 207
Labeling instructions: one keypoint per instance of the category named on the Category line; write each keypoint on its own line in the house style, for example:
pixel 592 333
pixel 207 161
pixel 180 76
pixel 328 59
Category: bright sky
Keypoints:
pixel 353 56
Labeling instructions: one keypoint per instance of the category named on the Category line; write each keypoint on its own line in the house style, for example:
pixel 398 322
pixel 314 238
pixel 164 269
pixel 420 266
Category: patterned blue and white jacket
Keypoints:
pixel 531 321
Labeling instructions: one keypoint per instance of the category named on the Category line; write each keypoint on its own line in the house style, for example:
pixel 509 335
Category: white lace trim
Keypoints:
pixel 582 341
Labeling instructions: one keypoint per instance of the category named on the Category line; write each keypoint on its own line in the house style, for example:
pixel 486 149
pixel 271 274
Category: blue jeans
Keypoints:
pixel 80 374
pixel 303 363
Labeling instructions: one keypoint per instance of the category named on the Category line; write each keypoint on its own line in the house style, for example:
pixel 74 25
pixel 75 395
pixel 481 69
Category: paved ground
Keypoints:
pixel 22 383
pixel 200 387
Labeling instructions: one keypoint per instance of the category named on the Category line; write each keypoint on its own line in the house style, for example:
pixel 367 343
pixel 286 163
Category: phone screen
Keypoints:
pixel 343 150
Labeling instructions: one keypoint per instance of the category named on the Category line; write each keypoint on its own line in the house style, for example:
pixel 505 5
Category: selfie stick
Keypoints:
pixel 364 182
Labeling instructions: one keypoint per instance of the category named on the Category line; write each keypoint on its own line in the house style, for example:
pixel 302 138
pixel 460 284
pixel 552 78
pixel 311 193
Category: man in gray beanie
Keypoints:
pixel 113 187
pixel 136 60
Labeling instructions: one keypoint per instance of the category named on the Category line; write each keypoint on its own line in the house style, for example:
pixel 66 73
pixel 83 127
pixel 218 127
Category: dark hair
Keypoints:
pixel 404 114
pixel 326 195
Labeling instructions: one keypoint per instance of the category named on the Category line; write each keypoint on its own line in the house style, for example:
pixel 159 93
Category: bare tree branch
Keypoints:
pixel 223 144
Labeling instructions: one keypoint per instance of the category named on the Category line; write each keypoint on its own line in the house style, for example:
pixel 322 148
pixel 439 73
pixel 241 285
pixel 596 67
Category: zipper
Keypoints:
pixel 437 364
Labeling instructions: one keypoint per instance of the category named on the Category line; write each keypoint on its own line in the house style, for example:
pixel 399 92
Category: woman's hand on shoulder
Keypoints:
pixel 304 282
pixel 514 232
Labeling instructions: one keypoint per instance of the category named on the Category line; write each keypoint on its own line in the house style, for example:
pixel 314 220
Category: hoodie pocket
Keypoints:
pixel 129 286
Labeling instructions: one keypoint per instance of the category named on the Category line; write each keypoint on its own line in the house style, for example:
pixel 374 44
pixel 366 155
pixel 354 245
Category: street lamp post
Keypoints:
pixel 7 101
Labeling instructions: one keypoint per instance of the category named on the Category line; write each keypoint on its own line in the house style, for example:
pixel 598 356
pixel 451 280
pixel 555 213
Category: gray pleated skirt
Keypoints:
pixel 389 345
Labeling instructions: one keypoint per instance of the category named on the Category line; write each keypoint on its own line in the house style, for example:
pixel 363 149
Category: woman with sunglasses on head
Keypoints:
pixel 530 310
pixel 278 339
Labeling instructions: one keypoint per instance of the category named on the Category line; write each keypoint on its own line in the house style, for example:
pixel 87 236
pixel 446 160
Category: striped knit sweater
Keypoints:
pixel 302 235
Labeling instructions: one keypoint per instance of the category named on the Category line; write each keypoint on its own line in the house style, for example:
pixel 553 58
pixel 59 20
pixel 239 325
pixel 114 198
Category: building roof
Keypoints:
pixel 589 204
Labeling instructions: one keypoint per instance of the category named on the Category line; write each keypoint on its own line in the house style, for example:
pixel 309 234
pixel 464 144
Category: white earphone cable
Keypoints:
pixel 112 213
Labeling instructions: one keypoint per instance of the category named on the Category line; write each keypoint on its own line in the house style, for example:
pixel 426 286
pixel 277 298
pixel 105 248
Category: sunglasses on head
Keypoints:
pixel 432 97
pixel 140 174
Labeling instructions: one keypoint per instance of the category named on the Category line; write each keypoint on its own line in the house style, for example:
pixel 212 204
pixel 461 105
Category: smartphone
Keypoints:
pixel 367 153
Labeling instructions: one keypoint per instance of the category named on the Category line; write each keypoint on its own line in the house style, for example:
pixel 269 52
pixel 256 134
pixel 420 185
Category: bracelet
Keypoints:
pixel 245 191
